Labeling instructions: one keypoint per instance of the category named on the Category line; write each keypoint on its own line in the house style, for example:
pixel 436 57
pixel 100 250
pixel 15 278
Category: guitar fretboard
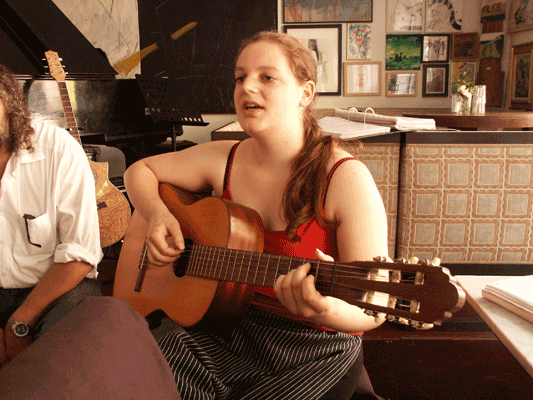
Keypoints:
pixel 69 113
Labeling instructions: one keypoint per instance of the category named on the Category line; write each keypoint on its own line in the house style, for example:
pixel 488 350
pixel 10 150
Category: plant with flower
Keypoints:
pixel 465 87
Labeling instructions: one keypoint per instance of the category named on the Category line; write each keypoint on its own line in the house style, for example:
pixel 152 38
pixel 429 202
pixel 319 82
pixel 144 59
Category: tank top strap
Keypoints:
pixel 229 164
pixel 330 175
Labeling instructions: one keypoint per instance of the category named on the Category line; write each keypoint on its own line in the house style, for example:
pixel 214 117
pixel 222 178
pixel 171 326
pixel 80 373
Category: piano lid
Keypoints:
pixel 28 28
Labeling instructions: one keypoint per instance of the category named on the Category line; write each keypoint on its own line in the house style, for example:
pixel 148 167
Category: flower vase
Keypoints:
pixel 466 105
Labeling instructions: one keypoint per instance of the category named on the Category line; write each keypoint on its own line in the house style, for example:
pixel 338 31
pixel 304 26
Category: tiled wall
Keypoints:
pixel 466 202
pixel 382 160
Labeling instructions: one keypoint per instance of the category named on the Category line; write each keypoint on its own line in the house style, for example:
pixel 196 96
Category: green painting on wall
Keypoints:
pixel 403 52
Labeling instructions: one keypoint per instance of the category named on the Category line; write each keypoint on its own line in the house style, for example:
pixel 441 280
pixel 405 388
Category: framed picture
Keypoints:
pixel 493 15
pixel 359 42
pixel 491 45
pixel 310 11
pixel 444 16
pixel 362 78
pixel 465 46
pixel 401 84
pixel 435 80
pixel 521 16
pixel 521 77
pixel 403 52
pixel 435 48
pixel 462 73
pixel 325 43
pixel 405 16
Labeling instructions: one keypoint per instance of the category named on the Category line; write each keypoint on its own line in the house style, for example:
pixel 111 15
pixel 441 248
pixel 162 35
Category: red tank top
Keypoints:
pixel 312 236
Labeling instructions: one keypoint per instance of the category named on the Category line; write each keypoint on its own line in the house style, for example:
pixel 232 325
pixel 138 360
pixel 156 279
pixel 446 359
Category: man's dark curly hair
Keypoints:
pixel 17 112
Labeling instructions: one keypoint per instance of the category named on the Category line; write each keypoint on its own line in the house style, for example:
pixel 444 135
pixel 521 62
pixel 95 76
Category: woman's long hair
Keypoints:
pixel 17 112
pixel 303 195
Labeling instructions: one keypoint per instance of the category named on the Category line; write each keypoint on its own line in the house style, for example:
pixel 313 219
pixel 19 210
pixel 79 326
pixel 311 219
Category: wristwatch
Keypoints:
pixel 20 329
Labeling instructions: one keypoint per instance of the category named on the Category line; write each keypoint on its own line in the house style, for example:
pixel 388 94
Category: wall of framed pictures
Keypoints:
pixel 422 45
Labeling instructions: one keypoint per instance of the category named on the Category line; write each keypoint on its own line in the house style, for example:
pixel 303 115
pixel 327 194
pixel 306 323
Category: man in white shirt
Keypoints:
pixel 49 235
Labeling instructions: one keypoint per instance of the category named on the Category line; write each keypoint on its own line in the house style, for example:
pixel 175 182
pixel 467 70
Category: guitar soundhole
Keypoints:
pixel 180 266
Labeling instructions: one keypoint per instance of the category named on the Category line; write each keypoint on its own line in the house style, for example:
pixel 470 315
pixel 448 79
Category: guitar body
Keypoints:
pixel 187 299
pixel 114 211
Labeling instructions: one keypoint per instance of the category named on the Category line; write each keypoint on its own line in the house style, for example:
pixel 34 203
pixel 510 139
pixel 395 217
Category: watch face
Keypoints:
pixel 21 329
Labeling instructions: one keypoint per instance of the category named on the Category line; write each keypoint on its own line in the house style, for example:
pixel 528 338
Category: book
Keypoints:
pixel 395 122
pixel 514 293
pixel 344 129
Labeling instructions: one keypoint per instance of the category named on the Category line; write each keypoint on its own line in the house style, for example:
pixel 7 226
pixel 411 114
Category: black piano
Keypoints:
pixel 111 113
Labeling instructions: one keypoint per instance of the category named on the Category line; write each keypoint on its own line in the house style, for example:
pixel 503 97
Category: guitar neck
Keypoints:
pixel 69 113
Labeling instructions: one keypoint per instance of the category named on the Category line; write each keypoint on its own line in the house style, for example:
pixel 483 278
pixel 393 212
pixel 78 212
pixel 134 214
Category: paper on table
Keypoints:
pixel 515 294
pixel 342 128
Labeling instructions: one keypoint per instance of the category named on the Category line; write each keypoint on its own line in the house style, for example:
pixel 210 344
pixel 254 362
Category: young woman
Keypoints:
pixel 314 199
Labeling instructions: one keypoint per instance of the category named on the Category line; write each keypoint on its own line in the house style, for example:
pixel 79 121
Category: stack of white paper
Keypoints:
pixel 514 294
pixel 344 129
pixel 399 123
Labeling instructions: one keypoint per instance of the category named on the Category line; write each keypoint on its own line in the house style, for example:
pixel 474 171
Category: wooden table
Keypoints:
pixel 490 120
pixel 515 332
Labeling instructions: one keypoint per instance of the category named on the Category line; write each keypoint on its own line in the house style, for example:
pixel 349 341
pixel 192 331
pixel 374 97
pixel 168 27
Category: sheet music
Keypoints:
pixel 396 122
pixel 515 292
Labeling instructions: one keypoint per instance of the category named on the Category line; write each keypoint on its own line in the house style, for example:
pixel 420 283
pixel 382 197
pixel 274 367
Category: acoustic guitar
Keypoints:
pixel 114 211
pixel 212 281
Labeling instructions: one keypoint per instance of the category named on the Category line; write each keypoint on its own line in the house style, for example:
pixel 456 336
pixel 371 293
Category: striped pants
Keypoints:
pixel 268 357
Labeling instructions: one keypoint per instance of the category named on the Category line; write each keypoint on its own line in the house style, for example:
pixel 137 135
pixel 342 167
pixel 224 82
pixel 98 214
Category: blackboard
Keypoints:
pixel 202 58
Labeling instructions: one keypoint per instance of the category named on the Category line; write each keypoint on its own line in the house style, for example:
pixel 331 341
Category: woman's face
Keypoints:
pixel 267 93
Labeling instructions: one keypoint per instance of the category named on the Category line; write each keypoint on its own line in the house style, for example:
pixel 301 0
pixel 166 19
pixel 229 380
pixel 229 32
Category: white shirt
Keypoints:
pixel 54 184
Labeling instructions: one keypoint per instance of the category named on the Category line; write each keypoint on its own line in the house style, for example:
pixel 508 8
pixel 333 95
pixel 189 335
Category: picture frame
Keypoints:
pixel 310 11
pixel 358 41
pixel 435 80
pixel 444 16
pixel 325 42
pixel 362 78
pixel 405 16
pixel 491 45
pixel 403 52
pixel 435 48
pixel 465 46
pixel 401 84
pixel 461 72
pixel 521 87
pixel 521 15
pixel 493 16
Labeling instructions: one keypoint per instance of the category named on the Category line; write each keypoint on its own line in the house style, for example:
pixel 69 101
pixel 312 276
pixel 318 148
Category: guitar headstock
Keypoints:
pixel 419 293
pixel 54 64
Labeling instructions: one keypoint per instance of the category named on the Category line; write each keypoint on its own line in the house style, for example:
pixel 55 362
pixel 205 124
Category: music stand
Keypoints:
pixel 166 103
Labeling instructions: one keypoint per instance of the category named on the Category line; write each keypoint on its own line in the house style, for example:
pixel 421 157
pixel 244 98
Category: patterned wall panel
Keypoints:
pixel 466 202
pixel 382 160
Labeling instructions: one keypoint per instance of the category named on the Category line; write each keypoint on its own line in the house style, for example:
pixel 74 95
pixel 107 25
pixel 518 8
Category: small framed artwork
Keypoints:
pixel 325 43
pixel 521 16
pixel 362 78
pixel 522 77
pixel 493 16
pixel 401 84
pixel 405 16
pixel 465 46
pixel 435 48
pixel 462 73
pixel 444 15
pixel 359 42
pixel 435 80
pixel 403 52
pixel 310 11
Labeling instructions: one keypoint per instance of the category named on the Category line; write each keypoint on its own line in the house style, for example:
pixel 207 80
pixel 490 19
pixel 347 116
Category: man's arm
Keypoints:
pixel 59 279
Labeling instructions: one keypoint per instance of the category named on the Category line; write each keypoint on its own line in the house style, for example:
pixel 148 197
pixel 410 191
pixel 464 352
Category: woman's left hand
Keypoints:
pixel 297 291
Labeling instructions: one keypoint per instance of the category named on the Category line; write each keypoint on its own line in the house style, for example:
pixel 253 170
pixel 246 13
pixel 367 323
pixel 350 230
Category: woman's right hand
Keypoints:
pixel 164 239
